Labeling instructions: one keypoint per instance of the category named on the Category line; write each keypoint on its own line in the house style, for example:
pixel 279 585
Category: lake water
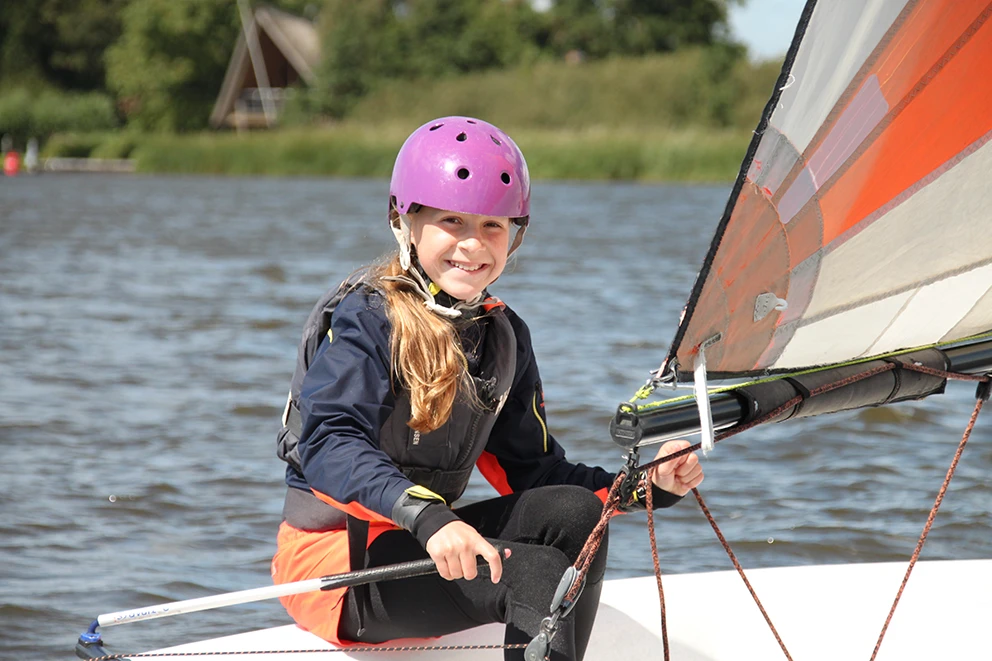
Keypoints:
pixel 148 330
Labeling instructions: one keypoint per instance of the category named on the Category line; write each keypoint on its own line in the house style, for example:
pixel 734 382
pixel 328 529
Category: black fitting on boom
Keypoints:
pixel 625 427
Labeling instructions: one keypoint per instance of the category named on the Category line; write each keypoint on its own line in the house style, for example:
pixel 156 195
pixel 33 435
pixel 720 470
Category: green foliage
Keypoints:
pixel 690 88
pixel 361 42
pixel 349 150
pixel 652 26
pixel 163 60
pixel 374 44
pixel 57 42
pixel 74 145
pixel 459 36
pixel 170 60
pixel 369 43
pixel 116 145
pixel 24 114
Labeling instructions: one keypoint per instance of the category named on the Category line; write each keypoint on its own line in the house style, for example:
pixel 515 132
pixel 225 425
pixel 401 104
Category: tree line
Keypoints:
pixel 158 64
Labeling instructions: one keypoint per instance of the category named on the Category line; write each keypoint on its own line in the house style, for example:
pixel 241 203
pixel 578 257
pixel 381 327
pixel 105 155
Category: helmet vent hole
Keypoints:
pixel 494 139
pixel 463 173
pixel 470 121
pixel 435 127
pixel 506 178
pixel 461 137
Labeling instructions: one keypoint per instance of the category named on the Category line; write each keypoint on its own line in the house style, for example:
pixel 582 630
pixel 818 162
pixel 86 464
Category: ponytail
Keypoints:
pixel 427 357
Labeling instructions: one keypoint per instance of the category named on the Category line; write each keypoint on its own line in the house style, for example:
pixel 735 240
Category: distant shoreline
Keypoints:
pixel 600 153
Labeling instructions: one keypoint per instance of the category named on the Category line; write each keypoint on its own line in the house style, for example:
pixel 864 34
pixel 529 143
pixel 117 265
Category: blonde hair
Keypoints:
pixel 427 358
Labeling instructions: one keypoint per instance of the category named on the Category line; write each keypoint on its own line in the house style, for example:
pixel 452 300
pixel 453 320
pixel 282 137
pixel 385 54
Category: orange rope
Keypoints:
pixel 740 570
pixel 933 514
pixel 657 566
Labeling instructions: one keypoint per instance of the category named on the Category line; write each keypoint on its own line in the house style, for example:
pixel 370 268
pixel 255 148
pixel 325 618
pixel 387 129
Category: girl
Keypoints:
pixel 409 375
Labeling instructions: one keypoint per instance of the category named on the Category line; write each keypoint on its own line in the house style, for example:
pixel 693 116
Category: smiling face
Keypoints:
pixel 462 253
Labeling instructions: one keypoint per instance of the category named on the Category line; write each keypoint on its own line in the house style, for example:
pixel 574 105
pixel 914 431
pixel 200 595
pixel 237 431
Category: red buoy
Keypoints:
pixel 11 163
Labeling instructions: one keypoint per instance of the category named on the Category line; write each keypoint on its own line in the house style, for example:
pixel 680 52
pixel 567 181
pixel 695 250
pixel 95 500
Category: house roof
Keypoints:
pixel 295 37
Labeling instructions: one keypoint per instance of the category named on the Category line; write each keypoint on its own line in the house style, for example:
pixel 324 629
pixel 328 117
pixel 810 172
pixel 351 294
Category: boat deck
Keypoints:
pixel 826 612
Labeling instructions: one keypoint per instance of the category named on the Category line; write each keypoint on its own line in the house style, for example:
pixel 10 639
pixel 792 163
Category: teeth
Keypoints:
pixel 466 268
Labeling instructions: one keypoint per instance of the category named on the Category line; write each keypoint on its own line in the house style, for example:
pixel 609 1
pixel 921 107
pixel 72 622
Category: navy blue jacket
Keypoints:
pixel 347 395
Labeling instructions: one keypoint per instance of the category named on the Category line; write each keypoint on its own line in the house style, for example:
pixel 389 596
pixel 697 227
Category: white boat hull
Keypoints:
pixel 826 612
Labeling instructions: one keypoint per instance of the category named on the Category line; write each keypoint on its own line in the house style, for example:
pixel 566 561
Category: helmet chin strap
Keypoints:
pixel 401 230
pixel 418 279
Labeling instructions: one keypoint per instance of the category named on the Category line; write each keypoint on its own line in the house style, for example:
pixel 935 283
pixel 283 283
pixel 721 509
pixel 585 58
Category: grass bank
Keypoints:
pixel 685 117
pixel 361 151
pixel 694 88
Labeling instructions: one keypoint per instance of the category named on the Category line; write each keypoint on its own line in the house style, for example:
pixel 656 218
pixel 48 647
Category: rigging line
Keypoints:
pixel 776 377
pixel 740 570
pixel 648 493
pixel 647 389
pixel 647 406
pixel 923 369
pixel 589 549
pixel 410 648
pixel 981 397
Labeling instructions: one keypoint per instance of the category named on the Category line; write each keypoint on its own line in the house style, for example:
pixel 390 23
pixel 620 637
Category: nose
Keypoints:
pixel 471 239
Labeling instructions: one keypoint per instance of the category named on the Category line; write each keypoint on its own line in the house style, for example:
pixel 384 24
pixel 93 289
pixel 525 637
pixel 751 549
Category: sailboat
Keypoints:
pixel 852 267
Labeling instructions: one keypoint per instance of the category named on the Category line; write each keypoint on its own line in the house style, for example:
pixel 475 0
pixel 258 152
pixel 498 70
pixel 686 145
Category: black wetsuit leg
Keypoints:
pixel 545 529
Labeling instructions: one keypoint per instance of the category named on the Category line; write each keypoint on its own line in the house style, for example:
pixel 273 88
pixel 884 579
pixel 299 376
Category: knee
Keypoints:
pixel 578 507
pixel 563 517
pixel 581 510
pixel 534 573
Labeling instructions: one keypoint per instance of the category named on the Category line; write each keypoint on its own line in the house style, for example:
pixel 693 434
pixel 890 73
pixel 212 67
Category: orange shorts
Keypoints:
pixel 302 555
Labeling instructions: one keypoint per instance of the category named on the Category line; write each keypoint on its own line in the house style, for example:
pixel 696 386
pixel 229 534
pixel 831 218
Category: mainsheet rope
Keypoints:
pixel 407 648
pixel 612 501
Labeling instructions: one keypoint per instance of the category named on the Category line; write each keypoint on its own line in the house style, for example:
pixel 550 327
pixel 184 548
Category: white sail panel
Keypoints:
pixel 936 308
pixel 839 38
pixel 843 336
pixel 976 321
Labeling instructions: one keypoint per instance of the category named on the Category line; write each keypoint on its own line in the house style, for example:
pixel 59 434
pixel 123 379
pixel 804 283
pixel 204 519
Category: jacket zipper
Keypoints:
pixel 472 441
pixel 537 415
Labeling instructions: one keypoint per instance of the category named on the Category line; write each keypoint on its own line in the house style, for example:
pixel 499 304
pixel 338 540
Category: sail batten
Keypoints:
pixel 862 205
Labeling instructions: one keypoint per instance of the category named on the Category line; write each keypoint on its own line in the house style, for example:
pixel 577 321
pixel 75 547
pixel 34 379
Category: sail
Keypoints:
pixel 861 222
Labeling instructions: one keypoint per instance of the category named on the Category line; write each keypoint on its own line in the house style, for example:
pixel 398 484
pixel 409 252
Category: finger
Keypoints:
pixel 442 568
pixel 495 561
pixel 689 478
pixel 671 447
pixel 468 565
pixel 666 467
pixel 455 569
pixel 690 464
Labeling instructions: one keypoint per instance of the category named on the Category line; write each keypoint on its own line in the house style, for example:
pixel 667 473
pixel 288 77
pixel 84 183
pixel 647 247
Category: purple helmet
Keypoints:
pixel 463 165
